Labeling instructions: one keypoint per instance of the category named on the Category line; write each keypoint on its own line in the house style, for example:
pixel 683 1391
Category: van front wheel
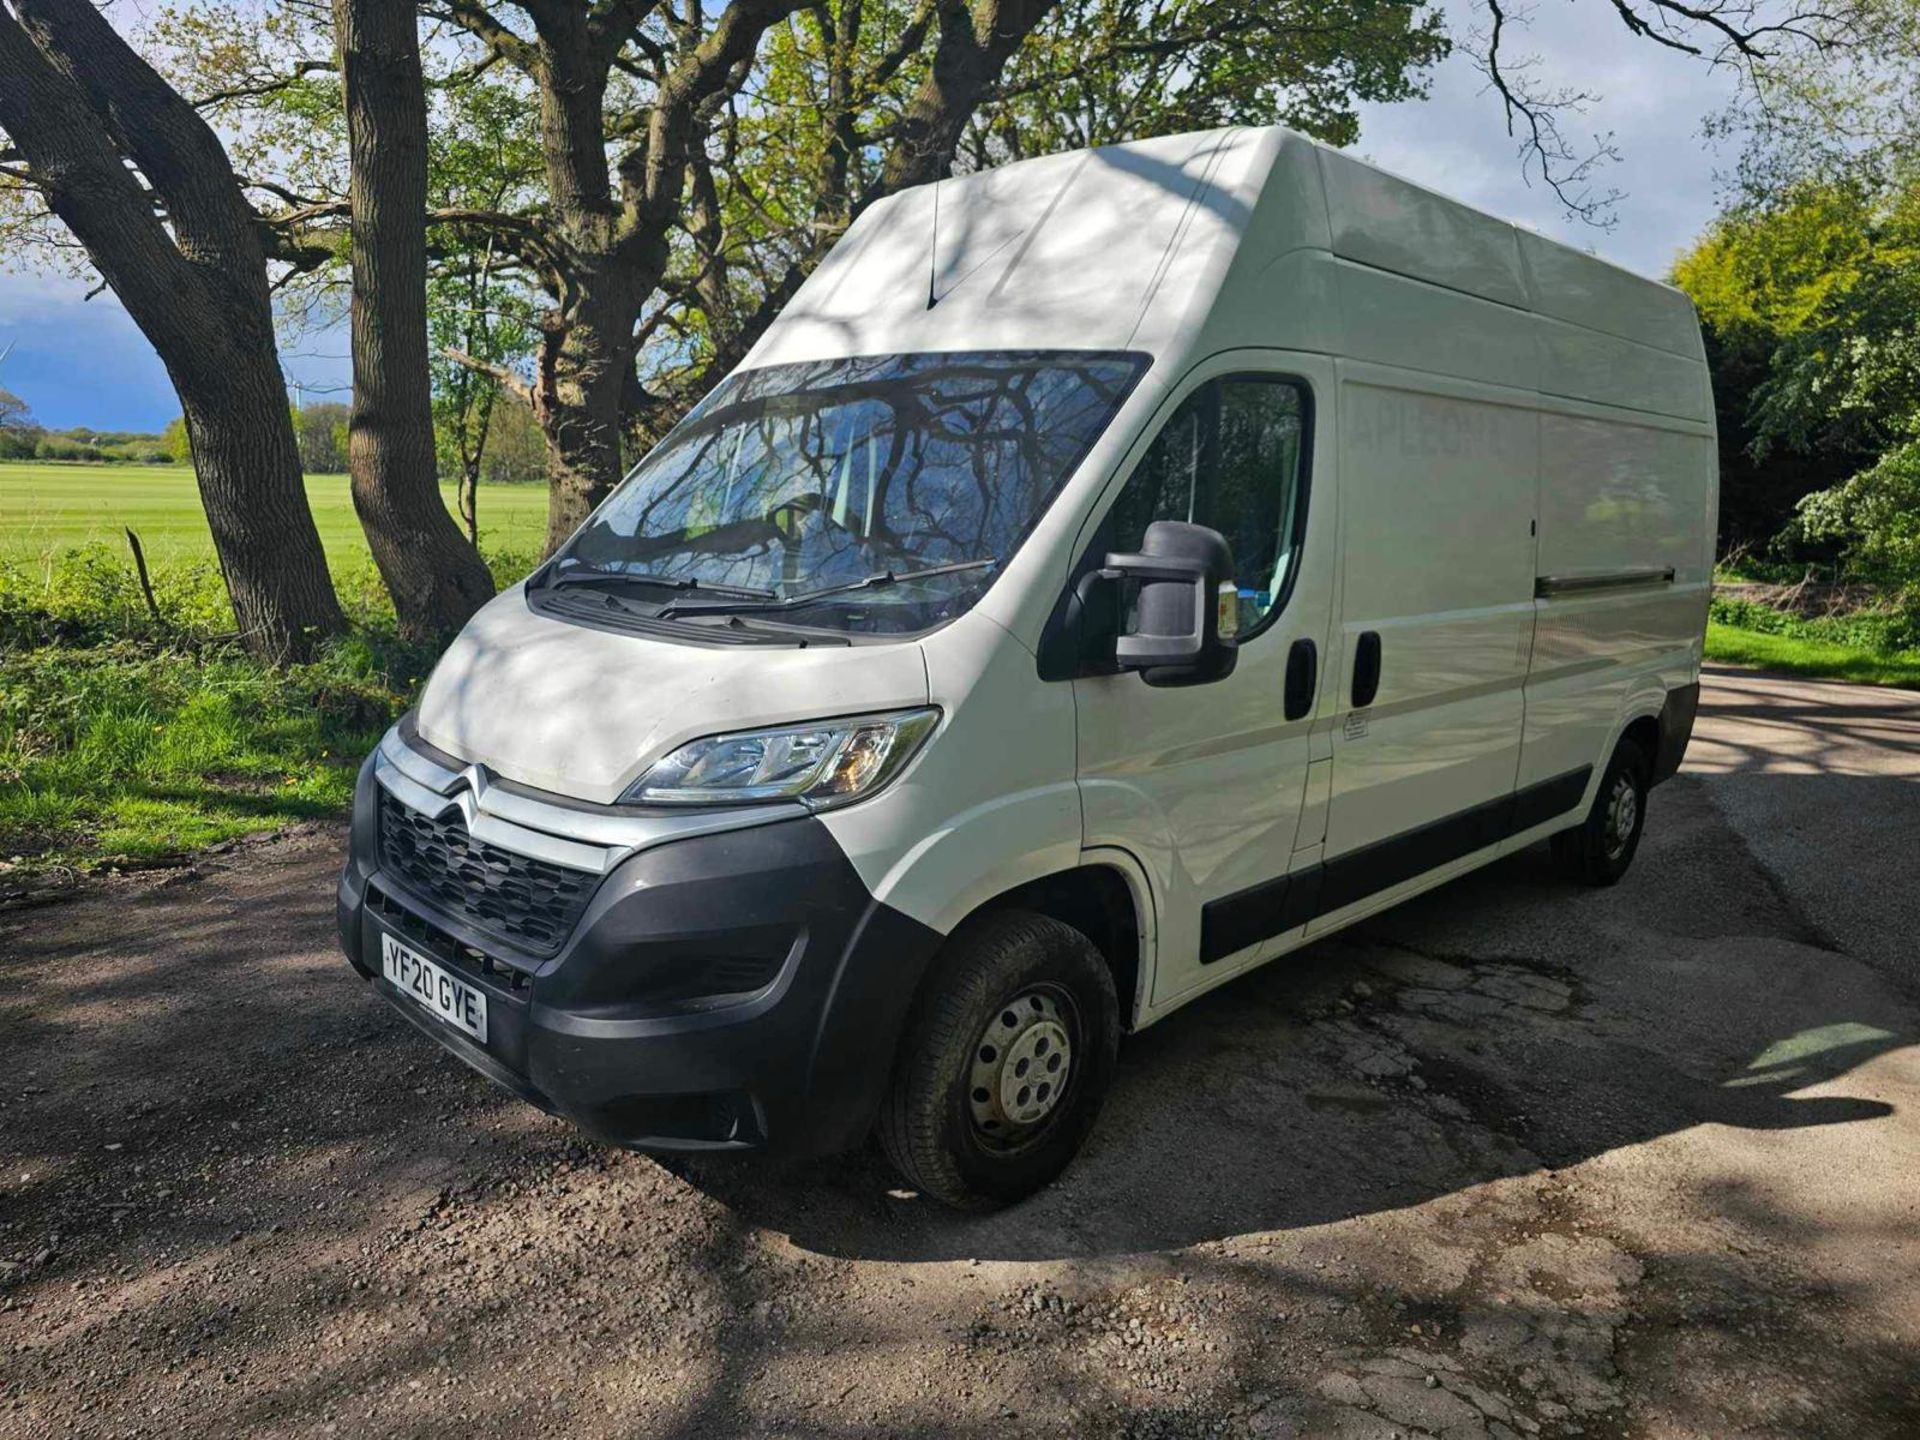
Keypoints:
pixel 1599 850
pixel 1005 1062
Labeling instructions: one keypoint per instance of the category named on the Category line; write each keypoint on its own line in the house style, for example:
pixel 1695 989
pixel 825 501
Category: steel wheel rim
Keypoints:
pixel 1022 1066
pixel 1623 813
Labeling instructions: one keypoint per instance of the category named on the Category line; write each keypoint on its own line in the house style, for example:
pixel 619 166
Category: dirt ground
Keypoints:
pixel 1512 1160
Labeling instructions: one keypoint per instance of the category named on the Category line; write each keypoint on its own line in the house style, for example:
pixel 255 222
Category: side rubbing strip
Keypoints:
pixel 1537 804
pixel 1547 585
pixel 1233 922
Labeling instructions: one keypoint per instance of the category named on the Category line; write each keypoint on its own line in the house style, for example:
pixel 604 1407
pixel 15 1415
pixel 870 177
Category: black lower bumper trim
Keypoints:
pixel 613 1032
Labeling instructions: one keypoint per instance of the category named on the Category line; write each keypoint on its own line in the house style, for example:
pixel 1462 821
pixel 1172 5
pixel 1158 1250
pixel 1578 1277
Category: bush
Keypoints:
pixel 19 443
pixel 1881 632
pixel 1874 521
pixel 55 447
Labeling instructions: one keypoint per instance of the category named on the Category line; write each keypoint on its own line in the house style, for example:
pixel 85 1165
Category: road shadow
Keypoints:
pixel 1753 721
pixel 242 1166
pixel 1502 1024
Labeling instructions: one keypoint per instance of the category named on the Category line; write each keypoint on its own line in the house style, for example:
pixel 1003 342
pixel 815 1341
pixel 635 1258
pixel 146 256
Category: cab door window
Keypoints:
pixel 1232 457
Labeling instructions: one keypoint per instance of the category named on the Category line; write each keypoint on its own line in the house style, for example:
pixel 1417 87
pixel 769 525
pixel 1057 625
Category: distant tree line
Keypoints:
pixel 22 439
pixel 512 451
pixel 568 218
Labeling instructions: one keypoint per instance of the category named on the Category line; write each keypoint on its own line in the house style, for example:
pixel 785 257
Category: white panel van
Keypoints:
pixel 1109 573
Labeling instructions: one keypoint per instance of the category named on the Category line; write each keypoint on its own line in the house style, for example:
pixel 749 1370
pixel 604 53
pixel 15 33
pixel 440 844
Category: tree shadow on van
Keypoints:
pixel 1500 1025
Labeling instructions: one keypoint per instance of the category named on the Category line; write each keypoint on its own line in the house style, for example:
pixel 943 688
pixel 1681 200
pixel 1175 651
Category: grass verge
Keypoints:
pixel 1816 659
pixel 124 740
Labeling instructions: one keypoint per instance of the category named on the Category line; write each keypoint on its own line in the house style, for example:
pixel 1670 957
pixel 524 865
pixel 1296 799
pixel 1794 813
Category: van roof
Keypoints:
pixel 1169 245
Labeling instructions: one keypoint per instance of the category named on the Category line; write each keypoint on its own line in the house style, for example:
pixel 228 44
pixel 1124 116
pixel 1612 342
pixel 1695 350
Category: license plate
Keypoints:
pixel 447 996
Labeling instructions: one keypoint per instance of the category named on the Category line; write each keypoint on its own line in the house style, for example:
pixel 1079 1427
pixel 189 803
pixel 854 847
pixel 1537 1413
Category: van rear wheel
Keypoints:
pixel 1599 849
pixel 1005 1062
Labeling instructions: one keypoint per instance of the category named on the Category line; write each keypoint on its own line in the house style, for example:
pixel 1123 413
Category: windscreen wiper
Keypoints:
pixel 808 597
pixel 660 582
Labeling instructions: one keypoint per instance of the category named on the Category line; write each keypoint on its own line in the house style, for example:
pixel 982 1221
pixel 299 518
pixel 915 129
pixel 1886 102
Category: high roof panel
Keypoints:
pixel 1064 250
pixel 1187 244
pixel 1381 220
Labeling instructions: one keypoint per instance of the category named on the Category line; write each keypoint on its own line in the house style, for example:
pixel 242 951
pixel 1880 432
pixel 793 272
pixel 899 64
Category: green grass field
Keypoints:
pixel 125 740
pixel 47 509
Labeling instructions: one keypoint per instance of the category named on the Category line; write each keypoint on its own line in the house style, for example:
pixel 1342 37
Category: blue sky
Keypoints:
pixel 80 362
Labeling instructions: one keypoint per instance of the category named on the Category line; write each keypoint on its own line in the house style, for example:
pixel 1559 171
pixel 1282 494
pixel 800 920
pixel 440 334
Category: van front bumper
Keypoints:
pixel 727 991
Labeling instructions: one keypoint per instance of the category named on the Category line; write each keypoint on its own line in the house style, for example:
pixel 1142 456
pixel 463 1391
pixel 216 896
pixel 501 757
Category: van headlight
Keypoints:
pixel 823 764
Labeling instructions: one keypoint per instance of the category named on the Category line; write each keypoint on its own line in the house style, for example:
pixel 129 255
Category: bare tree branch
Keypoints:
pixel 274 86
pixel 505 378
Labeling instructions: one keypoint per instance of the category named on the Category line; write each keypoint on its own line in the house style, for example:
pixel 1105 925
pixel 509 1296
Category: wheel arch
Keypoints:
pixel 1659 720
pixel 1106 899
pixel 1644 731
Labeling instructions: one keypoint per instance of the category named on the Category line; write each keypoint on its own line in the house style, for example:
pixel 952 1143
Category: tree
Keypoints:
pixel 321 429
pixel 479 307
pixel 1765 43
pixel 665 216
pixel 174 441
pixel 516 452
pixel 131 169
pixel 1850 114
pixel 1758 278
pixel 1096 73
pixel 19 436
pixel 1811 300
pixel 434 574
pixel 855 101
pixel 488 326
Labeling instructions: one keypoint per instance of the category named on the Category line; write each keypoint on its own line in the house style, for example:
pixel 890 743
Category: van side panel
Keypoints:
pixel 1416 326
pixel 1436 494
pixel 1582 290
pixel 1618 495
pixel 1584 364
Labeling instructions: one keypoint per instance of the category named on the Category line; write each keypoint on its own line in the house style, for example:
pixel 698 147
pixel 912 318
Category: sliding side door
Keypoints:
pixel 1437 492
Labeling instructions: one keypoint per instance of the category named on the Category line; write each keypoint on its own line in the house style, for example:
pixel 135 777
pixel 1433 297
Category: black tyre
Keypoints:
pixel 1004 1063
pixel 1599 849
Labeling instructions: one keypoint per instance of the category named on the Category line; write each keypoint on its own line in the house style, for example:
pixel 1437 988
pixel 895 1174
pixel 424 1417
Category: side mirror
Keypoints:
pixel 1178 637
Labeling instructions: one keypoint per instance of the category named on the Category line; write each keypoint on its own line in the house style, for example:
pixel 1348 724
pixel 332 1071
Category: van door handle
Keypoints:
pixel 1303 665
pixel 1366 669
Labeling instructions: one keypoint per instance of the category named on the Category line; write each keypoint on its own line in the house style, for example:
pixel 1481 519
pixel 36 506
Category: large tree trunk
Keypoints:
pixel 242 438
pixel 586 368
pixel 80 105
pixel 434 573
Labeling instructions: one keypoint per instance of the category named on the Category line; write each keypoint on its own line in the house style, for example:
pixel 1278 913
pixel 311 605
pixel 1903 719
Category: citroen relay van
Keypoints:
pixel 1110 573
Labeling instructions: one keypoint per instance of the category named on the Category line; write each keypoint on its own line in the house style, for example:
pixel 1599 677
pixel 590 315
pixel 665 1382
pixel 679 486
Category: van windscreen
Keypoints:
pixel 880 494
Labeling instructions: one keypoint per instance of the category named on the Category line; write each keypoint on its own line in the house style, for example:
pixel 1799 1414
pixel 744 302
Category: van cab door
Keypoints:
pixel 1437 491
pixel 1203 784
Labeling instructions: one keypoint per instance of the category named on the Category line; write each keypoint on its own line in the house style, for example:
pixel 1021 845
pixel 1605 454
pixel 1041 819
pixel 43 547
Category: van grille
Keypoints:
pixel 424 935
pixel 519 901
